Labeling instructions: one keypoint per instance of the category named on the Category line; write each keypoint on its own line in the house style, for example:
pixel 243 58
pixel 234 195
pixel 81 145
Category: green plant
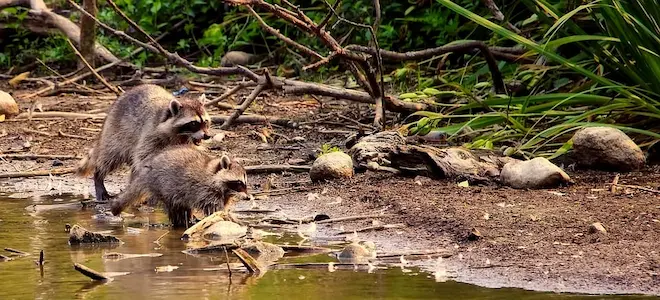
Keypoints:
pixel 327 148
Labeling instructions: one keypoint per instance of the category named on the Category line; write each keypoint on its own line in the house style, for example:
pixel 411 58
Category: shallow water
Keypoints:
pixel 197 277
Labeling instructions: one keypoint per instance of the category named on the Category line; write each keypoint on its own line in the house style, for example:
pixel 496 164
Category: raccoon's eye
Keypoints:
pixel 236 185
pixel 190 126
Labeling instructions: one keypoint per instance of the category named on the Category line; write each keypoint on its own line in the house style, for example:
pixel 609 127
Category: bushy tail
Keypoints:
pixel 87 165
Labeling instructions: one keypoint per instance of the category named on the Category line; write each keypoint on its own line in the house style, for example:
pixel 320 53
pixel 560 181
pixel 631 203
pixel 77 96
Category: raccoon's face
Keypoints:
pixel 189 119
pixel 230 177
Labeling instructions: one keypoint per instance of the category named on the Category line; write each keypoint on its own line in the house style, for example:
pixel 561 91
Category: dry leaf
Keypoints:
pixel 18 78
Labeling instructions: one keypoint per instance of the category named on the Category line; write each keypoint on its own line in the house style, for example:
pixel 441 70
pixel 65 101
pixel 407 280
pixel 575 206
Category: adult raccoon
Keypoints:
pixel 141 122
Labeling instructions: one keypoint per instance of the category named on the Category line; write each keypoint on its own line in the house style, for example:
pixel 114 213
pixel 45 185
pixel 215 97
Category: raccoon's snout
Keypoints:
pixel 206 136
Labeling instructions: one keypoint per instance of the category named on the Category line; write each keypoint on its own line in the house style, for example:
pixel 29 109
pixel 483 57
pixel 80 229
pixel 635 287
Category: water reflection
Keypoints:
pixel 197 277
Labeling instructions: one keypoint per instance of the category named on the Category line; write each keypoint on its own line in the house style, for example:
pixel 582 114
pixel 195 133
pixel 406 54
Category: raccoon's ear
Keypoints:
pixel 175 106
pixel 225 162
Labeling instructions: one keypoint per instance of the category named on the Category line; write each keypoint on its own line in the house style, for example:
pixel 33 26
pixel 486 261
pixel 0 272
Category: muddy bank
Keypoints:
pixel 530 239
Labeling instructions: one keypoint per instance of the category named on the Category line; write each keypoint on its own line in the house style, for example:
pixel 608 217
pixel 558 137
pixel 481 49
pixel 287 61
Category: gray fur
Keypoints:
pixel 140 123
pixel 184 178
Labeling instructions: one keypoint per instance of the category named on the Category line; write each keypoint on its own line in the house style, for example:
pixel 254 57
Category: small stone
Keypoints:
pixel 597 228
pixel 263 251
pixel 607 148
pixel 331 166
pixel 298 139
pixel 474 235
pixel 234 58
pixel 537 173
pixel 296 161
pixel 360 252
pixel 79 235
pixel 224 230
pixel 216 142
pixel 57 163
pixel 8 106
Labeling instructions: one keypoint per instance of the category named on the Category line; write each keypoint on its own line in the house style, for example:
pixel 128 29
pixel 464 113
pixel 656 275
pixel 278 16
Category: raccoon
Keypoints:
pixel 184 178
pixel 141 122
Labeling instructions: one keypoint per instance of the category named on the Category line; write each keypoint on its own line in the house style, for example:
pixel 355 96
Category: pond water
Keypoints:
pixel 197 277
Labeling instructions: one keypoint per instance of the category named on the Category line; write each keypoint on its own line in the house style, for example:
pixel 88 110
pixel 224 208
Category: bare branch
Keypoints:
pixel 91 69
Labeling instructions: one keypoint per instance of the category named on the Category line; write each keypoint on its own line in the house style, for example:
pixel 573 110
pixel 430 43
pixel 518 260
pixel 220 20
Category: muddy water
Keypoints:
pixel 190 277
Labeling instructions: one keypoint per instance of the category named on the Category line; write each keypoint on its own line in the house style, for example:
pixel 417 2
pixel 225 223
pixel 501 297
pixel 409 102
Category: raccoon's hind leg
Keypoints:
pixel 101 192
pixel 179 216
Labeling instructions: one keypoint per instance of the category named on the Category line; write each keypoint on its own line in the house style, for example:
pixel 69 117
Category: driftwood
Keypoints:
pixel 388 151
pixel 39 13
pixel 275 169
pixel 61 171
pixel 249 262
pixel 94 275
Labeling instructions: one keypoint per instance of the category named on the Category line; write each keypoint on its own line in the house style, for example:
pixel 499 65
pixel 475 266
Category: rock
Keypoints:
pixel 233 58
pixel 597 228
pixel 8 106
pixel 216 142
pixel 79 235
pixel 474 235
pixel 263 251
pixel 57 163
pixel 537 173
pixel 360 252
pixel 298 139
pixel 224 230
pixel 607 148
pixel 332 165
pixel 296 161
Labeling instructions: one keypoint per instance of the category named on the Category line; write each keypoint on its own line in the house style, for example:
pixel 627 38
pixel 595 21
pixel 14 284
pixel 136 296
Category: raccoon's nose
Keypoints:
pixel 206 136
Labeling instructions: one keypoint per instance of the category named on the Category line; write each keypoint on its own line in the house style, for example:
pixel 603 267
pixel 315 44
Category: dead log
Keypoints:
pixel 40 13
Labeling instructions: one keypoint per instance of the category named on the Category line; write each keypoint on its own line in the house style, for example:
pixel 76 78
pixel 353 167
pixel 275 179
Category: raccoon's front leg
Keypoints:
pixel 99 187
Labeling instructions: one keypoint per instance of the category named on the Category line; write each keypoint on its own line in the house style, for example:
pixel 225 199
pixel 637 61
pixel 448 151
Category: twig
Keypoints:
pixel 61 171
pixel 94 275
pixel 228 93
pixel 157 241
pixel 61 114
pixel 28 130
pixel 637 187
pixel 353 218
pixel 275 169
pixel 19 252
pixel 256 119
pixel 615 181
pixel 227 261
pixel 374 228
pixel 499 16
pixel 62 134
pixel 443 253
pixel 37 156
pixel 91 69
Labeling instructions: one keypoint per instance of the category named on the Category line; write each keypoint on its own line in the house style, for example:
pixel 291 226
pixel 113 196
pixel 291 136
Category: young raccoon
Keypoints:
pixel 141 122
pixel 184 178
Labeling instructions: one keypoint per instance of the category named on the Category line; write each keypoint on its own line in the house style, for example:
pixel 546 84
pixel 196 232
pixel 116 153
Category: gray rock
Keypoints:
pixel 234 58
pixel 8 106
pixel 263 251
pixel 537 173
pixel 331 166
pixel 79 235
pixel 360 252
pixel 224 230
pixel 607 148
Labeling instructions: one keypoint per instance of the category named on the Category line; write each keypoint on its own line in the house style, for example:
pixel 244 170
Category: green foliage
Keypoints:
pixel 327 148
pixel 612 81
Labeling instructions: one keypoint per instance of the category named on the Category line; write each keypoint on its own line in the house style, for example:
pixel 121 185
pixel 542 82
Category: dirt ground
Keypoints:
pixel 532 239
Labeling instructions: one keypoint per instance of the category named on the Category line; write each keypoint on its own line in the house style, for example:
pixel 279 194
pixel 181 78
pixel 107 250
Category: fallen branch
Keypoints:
pixel 19 252
pixel 227 94
pixel 91 69
pixel 61 171
pixel 248 261
pixel 256 119
pixel 353 218
pixel 94 275
pixel 60 114
pixel 442 253
pixel 637 187
pixel 374 228
pixel 37 156
pixel 39 12
pixel 275 169
pixel 73 136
